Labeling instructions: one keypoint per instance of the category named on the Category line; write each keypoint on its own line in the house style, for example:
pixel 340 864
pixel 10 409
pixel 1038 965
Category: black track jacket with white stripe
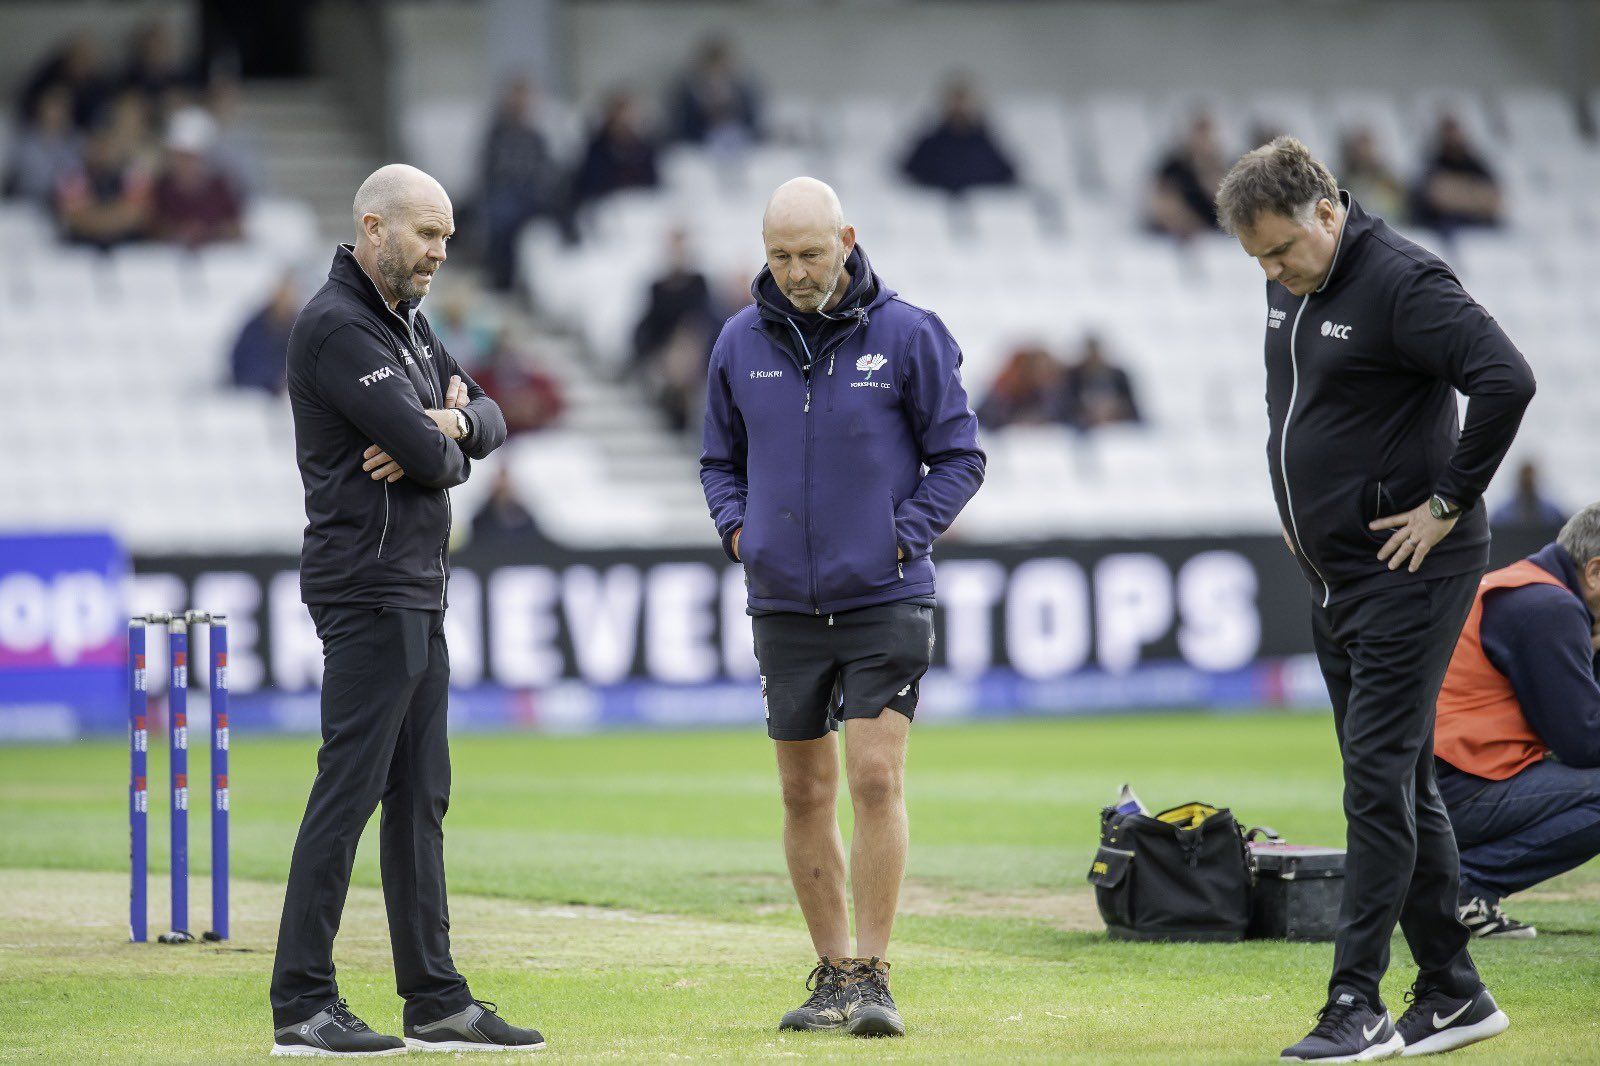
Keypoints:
pixel 1361 383
pixel 361 373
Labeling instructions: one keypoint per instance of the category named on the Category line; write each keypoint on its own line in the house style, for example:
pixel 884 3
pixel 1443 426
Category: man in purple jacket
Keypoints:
pixel 825 401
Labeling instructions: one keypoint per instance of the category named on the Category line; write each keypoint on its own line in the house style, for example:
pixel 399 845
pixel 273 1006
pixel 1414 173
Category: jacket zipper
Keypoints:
pixel 449 511
pixel 384 536
pixel 1283 450
pixel 805 468
pixel 899 563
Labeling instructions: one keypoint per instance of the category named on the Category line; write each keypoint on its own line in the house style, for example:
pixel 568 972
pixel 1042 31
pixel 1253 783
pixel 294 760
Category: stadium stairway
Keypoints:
pixel 312 148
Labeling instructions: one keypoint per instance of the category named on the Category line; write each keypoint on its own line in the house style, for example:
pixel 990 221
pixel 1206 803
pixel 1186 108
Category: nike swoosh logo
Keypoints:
pixel 1368 1034
pixel 1440 1023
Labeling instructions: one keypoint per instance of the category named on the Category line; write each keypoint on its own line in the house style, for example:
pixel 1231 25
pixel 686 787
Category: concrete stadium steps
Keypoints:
pixel 312 148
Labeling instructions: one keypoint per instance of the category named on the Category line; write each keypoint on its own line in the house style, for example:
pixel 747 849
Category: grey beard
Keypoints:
pixel 397 275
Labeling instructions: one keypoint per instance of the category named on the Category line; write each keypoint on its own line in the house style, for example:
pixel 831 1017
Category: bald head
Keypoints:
pixel 393 191
pixel 403 219
pixel 803 203
pixel 807 244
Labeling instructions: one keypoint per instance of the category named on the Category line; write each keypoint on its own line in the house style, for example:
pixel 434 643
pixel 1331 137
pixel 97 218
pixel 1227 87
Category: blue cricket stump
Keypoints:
pixel 138 787
pixel 178 629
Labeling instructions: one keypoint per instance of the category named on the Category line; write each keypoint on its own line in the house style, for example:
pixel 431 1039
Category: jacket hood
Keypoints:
pixel 1556 561
pixel 866 292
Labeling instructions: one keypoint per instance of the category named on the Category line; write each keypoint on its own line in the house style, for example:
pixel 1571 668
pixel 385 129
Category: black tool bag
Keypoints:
pixel 1180 875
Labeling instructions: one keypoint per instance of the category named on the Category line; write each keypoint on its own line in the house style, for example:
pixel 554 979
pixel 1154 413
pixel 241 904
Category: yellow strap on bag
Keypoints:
pixel 1188 816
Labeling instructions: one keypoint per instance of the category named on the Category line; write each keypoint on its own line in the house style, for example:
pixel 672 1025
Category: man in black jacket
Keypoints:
pixel 385 423
pixel 1368 339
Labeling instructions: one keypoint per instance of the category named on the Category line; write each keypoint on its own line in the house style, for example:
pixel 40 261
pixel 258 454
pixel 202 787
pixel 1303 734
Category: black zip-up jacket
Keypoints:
pixel 362 373
pixel 1361 383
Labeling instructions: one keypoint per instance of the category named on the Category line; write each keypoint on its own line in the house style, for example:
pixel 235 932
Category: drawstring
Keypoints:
pixel 830 364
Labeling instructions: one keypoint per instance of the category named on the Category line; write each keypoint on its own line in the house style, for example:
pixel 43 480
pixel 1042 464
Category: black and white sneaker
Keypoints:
pixel 1436 1022
pixel 1348 1031
pixel 831 996
pixel 873 1013
pixel 1486 919
pixel 478 1027
pixel 334 1033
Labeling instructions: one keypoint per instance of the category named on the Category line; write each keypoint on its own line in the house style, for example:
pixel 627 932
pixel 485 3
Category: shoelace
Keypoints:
pixel 822 983
pixel 873 987
pixel 1418 992
pixel 487 1005
pixel 1332 1019
pixel 341 1011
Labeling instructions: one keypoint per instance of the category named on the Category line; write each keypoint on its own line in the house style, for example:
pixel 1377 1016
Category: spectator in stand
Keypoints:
pixel 235 150
pixel 1096 392
pixel 620 155
pixel 529 398
pixel 157 71
pixel 503 520
pixel 105 200
pixel 716 103
pixel 46 148
pixel 958 152
pixel 261 352
pixel 1457 189
pixel 195 202
pixel 1529 507
pixel 1026 392
pixel 672 340
pixel 76 68
pixel 465 334
pixel 519 178
pixel 1369 178
pixel 1184 187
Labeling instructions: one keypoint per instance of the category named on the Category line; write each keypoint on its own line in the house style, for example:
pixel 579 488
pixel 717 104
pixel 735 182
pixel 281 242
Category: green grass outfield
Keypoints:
pixel 626 894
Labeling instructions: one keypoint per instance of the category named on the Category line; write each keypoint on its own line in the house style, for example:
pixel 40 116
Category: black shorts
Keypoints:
pixel 817 670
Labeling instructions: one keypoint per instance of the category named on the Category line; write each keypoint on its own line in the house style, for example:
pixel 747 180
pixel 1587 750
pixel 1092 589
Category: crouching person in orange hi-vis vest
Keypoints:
pixel 1518 735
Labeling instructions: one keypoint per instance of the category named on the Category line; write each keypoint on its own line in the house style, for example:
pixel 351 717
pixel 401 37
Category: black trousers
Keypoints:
pixel 1384 656
pixel 385 677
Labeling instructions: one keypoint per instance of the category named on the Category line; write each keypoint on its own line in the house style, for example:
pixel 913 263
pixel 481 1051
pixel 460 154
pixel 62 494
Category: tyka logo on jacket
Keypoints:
pixel 1336 331
pixel 377 375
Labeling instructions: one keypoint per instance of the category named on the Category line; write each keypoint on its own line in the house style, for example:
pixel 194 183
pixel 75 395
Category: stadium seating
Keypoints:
pixel 154 445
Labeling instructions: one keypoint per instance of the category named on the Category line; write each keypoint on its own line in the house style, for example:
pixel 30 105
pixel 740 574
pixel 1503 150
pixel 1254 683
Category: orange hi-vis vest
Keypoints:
pixel 1481 729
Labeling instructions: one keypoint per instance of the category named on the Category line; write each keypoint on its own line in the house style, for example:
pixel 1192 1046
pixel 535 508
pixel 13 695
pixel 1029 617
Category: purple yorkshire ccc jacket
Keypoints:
pixel 832 450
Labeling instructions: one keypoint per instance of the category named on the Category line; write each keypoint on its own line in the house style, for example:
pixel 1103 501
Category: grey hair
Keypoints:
pixel 1281 177
pixel 1581 535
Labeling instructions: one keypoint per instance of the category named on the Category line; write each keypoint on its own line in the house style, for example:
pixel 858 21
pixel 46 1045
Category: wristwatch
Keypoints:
pixel 1442 508
pixel 463 427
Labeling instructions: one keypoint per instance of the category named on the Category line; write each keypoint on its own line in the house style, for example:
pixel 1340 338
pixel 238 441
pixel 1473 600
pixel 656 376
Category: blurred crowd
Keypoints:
pixel 1455 188
pixel 142 144
pixel 1084 392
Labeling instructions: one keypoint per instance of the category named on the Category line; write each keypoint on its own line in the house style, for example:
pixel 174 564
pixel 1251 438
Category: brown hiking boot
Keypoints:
pixel 872 1012
pixel 829 1003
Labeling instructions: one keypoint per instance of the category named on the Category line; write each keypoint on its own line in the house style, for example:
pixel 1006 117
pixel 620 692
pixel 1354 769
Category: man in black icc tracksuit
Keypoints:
pixel 385 423
pixel 1368 337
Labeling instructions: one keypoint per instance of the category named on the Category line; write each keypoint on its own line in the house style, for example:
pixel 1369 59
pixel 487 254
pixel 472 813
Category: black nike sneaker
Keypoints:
pixel 1438 1022
pixel 334 1033
pixel 1348 1031
pixel 873 1013
pixel 478 1027
pixel 829 1002
pixel 1486 919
